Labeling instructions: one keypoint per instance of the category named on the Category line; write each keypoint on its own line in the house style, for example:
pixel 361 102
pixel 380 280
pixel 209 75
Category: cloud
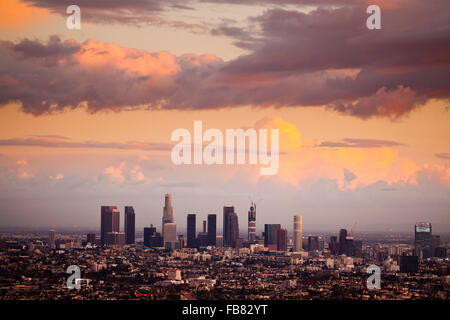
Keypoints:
pixel 360 143
pixel 52 141
pixel 326 57
pixel 115 173
pixel 58 176
pixel 445 156
pixel 131 12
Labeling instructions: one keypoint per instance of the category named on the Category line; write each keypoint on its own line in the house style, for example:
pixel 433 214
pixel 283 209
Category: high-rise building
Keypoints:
pixel 227 210
pixel 109 222
pixel 321 243
pixel 357 248
pixel 167 211
pixel 202 239
pixel 333 245
pixel 349 244
pixel 423 236
pixel 342 237
pixel 297 233
pixel 212 227
pixel 148 235
pixel 252 223
pixel 313 243
pixel 191 232
pixel 115 238
pixel 90 238
pixel 129 225
pixel 233 235
pixel 152 238
pixel 435 243
pixel 51 239
pixel 282 236
pixel 270 235
pixel 170 235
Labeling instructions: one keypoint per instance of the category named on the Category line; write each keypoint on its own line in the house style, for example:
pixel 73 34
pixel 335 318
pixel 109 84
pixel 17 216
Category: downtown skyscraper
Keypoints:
pixel 109 222
pixel 227 210
pixel 167 212
pixel 191 231
pixel 271 235
pixel 252 223
pixel 298 233
pixel 422 239
pixel 130 219
pixel 230 226
pixel 212 229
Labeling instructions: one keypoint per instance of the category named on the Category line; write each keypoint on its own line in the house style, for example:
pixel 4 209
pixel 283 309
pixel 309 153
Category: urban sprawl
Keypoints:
pixel 206 265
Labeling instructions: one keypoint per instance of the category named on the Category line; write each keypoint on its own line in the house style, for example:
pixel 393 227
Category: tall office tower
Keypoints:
pixel 191 243
pixel 149 234
pixel 181 241
pixel 212 227
pixel 435 243
pixel 167 211
pixel 109 221
pixel 422 236
pixel 129 225
pixel 252 223
pixel 349 246
pixel 297 233
pixel 313 243
pixel 333 245
pixel 282 236
pixel 270 235
pixel 51 238
pixel 202 237
pixel 321 243
pixel 342 237
pixel 170 235
pixel 227 210
pixel 233 235
pixel 90 238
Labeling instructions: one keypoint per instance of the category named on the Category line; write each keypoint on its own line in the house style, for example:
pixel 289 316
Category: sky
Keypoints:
pixel 86 116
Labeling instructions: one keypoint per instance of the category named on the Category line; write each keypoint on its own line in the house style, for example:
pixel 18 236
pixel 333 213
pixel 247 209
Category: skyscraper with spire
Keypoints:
pixel 167 212
pixel 252 223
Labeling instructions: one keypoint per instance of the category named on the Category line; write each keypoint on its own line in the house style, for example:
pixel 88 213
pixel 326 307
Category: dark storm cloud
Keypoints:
pixel 132 12
pixel 324 57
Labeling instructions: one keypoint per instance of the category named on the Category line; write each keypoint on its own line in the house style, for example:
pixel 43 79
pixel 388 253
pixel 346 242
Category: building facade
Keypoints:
pixel 130 219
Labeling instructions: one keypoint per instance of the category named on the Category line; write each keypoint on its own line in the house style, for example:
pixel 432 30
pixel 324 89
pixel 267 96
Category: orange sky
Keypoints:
pixel 422 133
